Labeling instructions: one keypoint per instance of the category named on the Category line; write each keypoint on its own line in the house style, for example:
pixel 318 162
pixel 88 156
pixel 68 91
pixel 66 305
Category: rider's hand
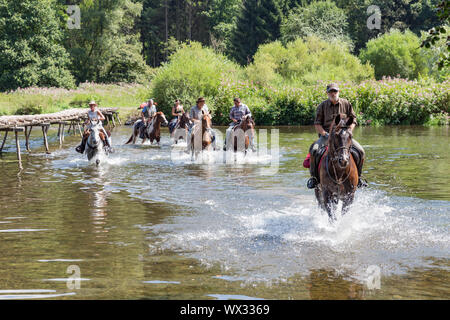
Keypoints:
pixel 326 135
pixel 234 120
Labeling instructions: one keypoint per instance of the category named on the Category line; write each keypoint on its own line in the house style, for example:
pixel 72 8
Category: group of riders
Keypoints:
pixel 325 115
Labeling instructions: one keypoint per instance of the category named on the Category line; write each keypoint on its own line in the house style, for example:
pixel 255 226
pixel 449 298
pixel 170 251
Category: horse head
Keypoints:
pixel 94 136
pixel 206 121
pixel 162 119
pixel 247 122
pixel 340 140
pixel 185 120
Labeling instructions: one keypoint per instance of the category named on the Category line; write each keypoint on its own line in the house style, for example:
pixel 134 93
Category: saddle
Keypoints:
pixel 314 160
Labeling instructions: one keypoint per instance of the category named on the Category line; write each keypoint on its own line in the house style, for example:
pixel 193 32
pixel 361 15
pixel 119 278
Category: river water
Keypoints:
pixel 150 223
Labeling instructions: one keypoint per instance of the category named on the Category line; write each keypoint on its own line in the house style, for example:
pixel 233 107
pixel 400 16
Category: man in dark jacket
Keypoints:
pixel 326 112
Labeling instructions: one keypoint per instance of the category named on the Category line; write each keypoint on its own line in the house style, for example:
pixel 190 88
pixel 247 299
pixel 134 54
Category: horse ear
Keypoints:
pixel 350 121
pixel 337 119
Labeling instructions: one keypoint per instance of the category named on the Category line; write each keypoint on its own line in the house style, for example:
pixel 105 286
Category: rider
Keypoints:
pixel 195 115
pixel 326 112
pixel 93 114
pixel 147 115
pixel 177 111
pixel 236 114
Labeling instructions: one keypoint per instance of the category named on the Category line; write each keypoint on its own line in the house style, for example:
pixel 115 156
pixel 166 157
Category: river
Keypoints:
pixel 150 223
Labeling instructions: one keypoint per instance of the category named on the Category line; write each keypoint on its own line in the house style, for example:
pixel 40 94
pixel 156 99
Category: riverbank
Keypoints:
pixel 385 102
pixel 28 101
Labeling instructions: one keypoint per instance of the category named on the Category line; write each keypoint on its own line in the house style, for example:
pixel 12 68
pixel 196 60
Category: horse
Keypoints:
pixel 181 128
pixel 338 171
pixel 152 132
pixel 242 127
pixel 95 141
pixel 207 138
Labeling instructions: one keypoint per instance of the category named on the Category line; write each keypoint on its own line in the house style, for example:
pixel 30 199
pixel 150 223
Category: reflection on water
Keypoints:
pixel 144 226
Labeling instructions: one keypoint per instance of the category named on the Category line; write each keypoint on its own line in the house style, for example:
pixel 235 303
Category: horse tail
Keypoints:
pixel 129 140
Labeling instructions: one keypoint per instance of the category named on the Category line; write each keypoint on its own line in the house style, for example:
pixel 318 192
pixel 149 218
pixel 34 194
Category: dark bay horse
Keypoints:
pixel 338 171
pixel 206 136
pixel 242 133
pixel 181 129
pixel 152 131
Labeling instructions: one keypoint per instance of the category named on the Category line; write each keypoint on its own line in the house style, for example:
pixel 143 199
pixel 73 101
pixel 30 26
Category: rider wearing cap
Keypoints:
pixel 236 114
pixel 196 113
pixel 326 112
pixel 147 116
pixel 94 114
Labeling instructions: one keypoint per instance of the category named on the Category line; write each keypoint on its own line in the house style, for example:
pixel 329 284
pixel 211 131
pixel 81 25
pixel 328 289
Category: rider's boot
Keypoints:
pixel 361 181
pixel 82 146
pixel 312 183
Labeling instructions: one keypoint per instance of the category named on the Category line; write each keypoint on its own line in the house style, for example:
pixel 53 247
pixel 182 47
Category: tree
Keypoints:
pixel 258 23
pixel 31 53
pixel 395 53
pixel 400 14
pixel 222 17
pixel 322 19
pixel 438 35
pixel 305 62
pixel 107 47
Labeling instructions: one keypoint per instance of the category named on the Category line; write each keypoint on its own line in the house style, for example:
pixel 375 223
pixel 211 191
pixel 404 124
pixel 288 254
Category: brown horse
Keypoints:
pixel 152 131
pixel 244 128
pixel 338 171
pixel 207 138
pixel 180 130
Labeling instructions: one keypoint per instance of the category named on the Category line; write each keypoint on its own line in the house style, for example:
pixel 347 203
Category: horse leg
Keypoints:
pixel 348 200
pixel 329 204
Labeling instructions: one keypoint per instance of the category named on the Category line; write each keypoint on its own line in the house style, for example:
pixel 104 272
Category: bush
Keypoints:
pixel 192 71
pixel 322 19
pixel 395 54
pixel 304 62
pixel 389 101
pixel 28 109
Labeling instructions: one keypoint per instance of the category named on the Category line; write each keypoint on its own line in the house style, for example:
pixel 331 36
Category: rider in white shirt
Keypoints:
pixel 94 114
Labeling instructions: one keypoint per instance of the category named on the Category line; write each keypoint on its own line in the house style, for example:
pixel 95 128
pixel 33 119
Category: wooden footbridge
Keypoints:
pixel 73 119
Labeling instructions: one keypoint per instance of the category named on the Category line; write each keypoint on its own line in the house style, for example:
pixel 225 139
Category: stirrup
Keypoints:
pixel 312 183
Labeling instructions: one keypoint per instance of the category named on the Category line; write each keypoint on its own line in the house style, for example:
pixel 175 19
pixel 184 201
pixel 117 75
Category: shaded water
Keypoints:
pixel 145 225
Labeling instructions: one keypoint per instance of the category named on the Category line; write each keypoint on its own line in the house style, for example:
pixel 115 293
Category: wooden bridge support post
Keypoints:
pixel 18 149
pixel 27 137
pixel 44 132
pixel 4 140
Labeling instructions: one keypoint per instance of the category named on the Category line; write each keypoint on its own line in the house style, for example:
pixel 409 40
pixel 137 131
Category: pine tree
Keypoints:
pixel 258 23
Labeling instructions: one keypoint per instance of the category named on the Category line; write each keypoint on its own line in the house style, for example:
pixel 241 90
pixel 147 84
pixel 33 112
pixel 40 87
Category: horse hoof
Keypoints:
pixel 97 162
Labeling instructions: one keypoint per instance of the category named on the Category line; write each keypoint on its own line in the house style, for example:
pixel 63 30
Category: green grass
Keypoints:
pixel 126 97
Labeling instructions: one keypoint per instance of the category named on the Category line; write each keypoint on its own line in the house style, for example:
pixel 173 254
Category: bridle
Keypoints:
pixel 333 159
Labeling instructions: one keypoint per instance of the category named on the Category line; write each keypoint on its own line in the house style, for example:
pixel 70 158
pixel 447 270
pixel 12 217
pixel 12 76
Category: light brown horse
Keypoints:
pixel 152 131
pixel 207 138
pixel 244 128
pixel 338 171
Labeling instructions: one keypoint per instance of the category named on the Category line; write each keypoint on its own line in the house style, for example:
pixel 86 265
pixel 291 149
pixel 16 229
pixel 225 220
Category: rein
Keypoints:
pixel 339 180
